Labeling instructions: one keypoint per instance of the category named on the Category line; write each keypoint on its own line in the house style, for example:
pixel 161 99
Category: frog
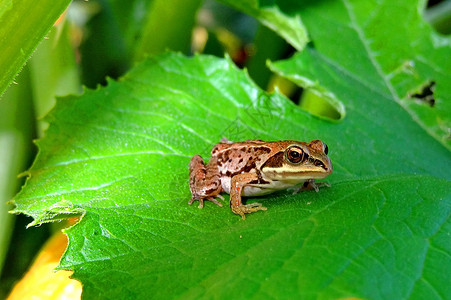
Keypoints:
pixel 256 168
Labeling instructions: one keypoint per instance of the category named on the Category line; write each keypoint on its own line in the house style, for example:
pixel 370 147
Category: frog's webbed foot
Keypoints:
pixel 310 185
pixel 212 199
pixel 247 209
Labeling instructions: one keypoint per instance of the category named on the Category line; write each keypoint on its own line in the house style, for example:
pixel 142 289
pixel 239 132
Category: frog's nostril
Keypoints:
pixel 319 163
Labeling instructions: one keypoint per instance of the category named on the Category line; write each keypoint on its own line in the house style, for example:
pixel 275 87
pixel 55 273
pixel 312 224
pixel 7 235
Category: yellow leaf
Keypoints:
pixel 42 282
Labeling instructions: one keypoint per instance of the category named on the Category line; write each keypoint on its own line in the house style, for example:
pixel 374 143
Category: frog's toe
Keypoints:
pixel 191 201
pixel 310 185
pixel 247 209
pixel 254 206
pixel 201 203
pixel 216 201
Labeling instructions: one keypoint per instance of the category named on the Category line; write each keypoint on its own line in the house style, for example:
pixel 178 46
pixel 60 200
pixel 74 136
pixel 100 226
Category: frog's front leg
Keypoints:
pixel 204 182
pixel 237 185
pixel 310 184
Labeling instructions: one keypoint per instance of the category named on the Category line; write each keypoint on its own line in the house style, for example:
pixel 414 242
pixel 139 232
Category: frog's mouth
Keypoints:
pixel 293 173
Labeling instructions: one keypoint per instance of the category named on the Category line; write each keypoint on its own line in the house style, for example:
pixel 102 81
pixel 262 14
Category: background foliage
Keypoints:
pixel 116 156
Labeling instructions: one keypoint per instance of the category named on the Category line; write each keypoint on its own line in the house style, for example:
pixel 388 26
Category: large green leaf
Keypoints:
pixel 23 25
pixel 288 26
pixel 119 155
pixel 386 49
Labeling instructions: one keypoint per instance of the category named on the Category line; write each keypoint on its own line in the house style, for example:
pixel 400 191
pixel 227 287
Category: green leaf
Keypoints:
pixel 119 156
pixel 23 25
pixel 16 153
pixel 289 27
pixel 53 71
pixel 382 51
pixel 174 27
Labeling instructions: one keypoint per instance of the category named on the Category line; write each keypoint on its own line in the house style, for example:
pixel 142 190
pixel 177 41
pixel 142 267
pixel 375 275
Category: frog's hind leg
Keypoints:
pixel 204 182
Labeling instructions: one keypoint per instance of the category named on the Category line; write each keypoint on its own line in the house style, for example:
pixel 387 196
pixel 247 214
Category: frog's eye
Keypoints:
pixel 295 155
pixel 326 149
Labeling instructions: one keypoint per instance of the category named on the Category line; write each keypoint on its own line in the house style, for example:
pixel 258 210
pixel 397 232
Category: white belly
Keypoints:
pixel 259 189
